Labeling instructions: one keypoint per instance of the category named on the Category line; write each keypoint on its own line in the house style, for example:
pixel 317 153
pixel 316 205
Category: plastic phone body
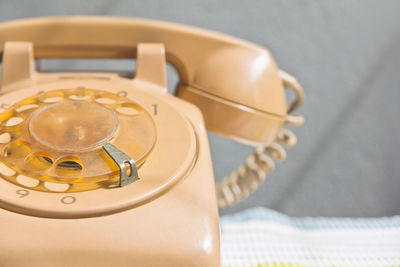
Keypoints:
pixel 151 201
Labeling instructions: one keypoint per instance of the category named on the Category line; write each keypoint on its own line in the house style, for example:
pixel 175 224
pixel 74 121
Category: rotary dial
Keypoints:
pixel 54 140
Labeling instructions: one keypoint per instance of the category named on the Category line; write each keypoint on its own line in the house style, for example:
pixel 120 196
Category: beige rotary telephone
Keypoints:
pixel 103 170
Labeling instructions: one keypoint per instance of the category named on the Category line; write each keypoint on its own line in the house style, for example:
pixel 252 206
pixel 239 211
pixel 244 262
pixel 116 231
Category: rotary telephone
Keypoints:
pixel 103 170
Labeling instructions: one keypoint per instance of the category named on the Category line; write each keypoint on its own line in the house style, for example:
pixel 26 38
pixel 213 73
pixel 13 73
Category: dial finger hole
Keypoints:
pixel 69 166
pixel 26 107
pixel 18 149
pixel 14 121
pixel 106 98
pixel 51 97
pixel 26 104
pixel 56 187
pixel 6 170
pixel 27 181
pixel 79 97
pixel 129 109
pixel 79 94
pixel 39 161
pixel 5 138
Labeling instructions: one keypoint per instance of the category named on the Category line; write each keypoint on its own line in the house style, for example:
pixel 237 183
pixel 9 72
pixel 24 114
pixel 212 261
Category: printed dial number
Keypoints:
pixel 22 193
pixel 67 200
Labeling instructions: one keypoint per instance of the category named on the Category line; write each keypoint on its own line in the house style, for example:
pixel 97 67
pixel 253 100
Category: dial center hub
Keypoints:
pixel 73 125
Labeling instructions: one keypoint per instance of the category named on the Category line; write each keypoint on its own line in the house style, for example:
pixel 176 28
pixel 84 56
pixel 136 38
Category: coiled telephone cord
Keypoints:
pixel 248 177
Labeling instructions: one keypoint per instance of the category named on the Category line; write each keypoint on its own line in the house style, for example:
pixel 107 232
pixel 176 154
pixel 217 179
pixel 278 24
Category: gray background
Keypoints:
pixel 346 56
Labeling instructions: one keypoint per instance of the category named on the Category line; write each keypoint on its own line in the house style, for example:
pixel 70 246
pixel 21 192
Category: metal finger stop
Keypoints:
pixel 122 160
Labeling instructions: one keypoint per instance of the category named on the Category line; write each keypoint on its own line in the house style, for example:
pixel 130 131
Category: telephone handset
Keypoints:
pixel 123 166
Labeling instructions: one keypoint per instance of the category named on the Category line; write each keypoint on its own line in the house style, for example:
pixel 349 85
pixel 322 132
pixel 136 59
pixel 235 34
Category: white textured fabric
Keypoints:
pixel 259 237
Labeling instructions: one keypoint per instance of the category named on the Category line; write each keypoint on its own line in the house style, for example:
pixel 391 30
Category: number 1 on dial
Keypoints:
pixel 155 109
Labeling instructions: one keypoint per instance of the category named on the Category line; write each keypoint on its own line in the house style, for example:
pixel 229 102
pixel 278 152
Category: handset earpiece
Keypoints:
pixel 240 93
